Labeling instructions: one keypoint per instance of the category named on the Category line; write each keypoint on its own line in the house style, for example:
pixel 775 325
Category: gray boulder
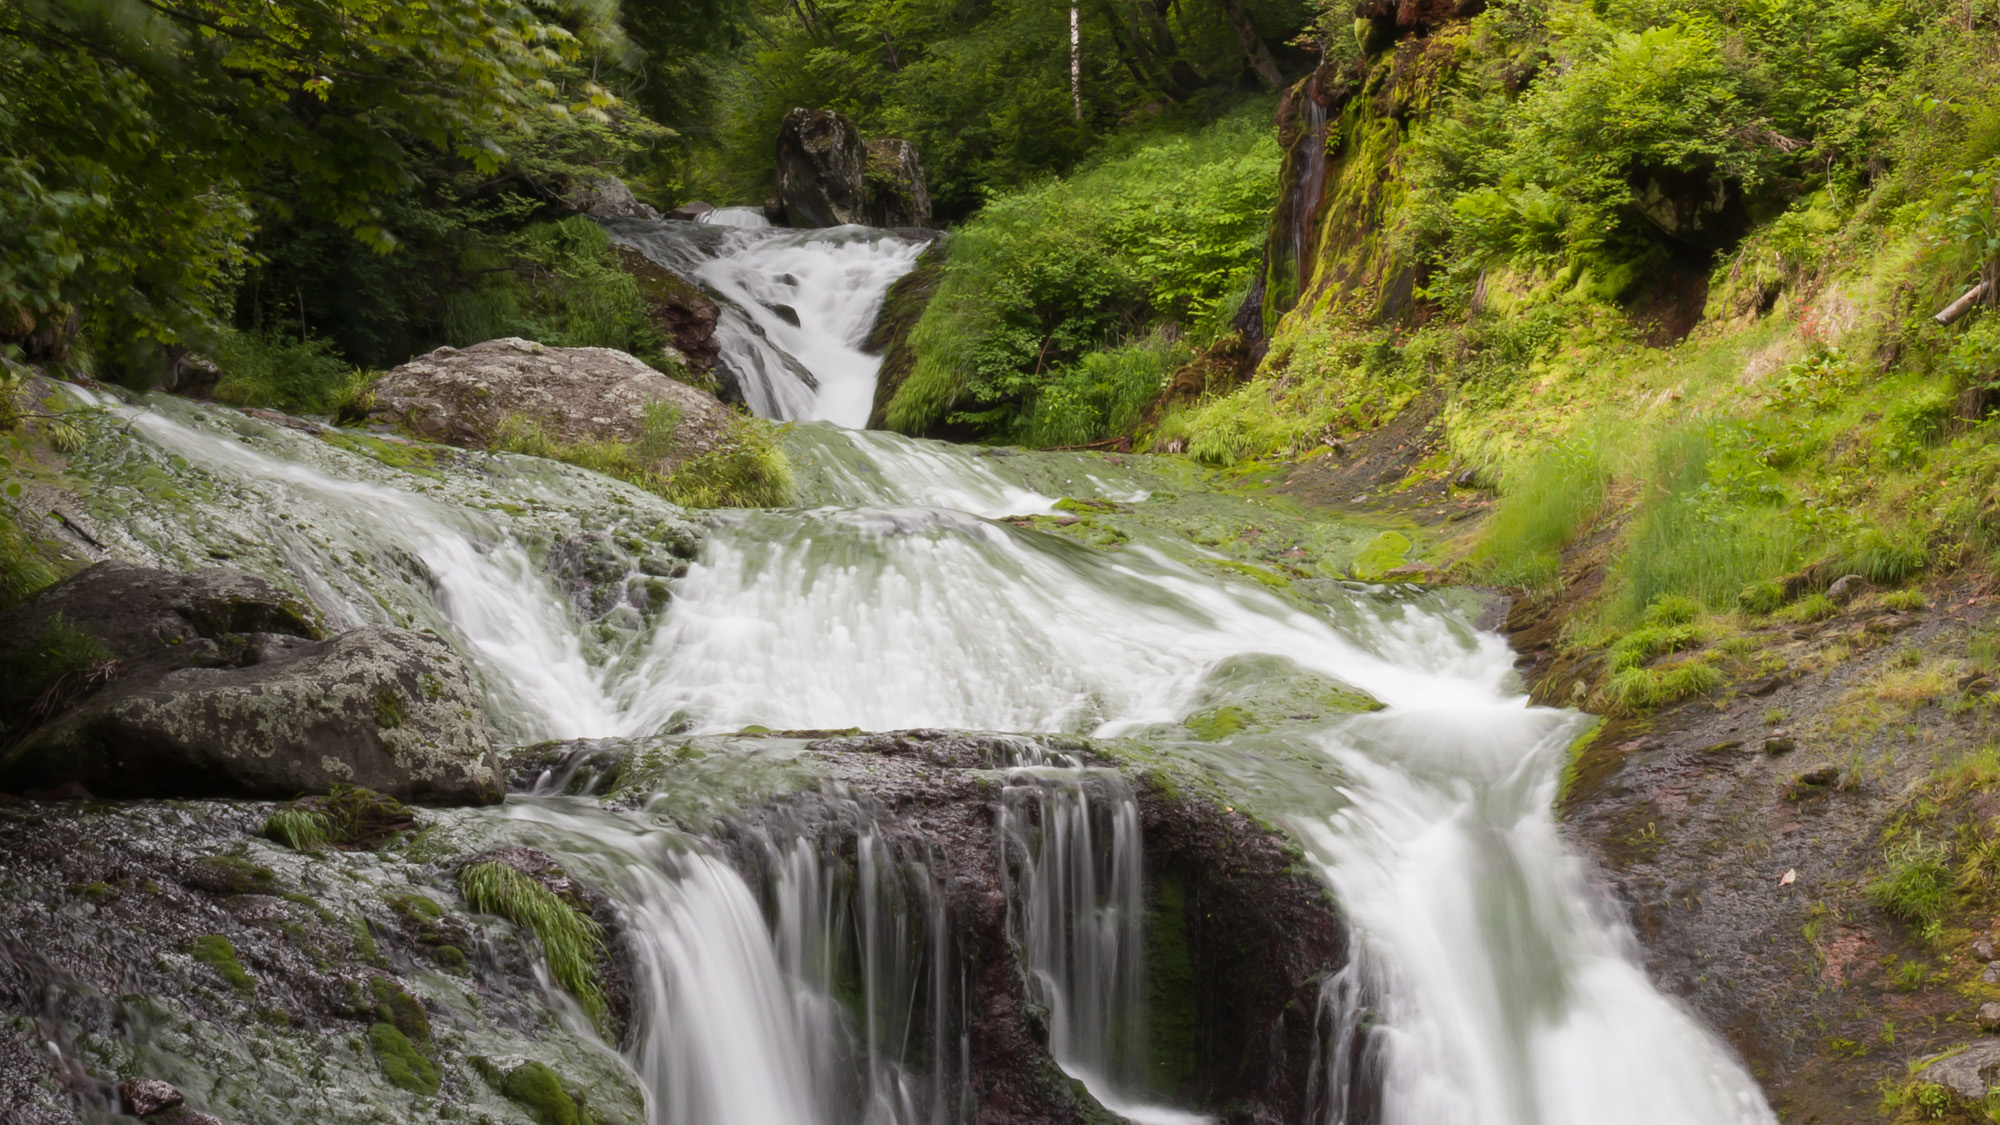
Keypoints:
pixel 821 169
pixel 1971 1073
pixel 897 194
pixel 466 396
pixel 157 684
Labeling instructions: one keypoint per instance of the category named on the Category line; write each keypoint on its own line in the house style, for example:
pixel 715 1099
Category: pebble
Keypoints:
pixel 1991 975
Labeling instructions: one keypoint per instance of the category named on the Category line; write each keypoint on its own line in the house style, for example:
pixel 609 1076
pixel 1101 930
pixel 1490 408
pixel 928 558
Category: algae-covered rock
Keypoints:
pixel 199 694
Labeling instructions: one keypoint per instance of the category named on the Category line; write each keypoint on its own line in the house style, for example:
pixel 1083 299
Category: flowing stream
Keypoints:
pixel 1488 983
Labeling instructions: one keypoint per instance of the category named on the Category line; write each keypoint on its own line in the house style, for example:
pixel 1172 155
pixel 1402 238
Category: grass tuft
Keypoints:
pixel 302 830
pixel 1915 882
pixel 572 942
pixel 1543 506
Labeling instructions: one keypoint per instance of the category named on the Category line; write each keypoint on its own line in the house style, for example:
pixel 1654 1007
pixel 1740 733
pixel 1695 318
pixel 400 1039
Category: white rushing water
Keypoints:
pixel 796 305
pixel 1490 985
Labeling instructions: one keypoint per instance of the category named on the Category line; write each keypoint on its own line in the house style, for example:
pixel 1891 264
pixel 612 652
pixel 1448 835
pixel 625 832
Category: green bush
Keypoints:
pixel 1165 232
pixel 1102 394
pixel 22 568
pixel 299 375
pixel 1883 559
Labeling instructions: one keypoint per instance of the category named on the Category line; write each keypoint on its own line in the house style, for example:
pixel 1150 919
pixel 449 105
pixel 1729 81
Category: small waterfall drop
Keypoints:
pixel 796 305
pixel 1080 917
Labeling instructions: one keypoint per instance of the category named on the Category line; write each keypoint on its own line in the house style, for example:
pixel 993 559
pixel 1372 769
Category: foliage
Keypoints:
pixel 1642 689
pixel 1543 505
pixel 22 568
pixel 982 91
pixel 142 141
pixel 302 830
pixel 1162 233
pixel 1103 393
pixel 746 468
pixel 571 941
pixel 1915 883
pixel 303 376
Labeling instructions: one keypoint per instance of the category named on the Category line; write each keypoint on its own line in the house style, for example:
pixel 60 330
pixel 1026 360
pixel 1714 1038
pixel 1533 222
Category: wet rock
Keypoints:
pixel 607 197
pixel 1989 1016
pixel 1982 950
pixel 690 212
pixel 175 700
pixel 897 194
pixel 1970 1073
pixel 679 307
pixel 466 397
pixel 1812 782
pixel 821 169
pixel 142 1096
pixel 1847 588
pixel 1779 742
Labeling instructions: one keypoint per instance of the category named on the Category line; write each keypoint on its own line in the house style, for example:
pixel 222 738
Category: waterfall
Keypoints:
pixel 796 306
pixel 801 974
pixel 1079 915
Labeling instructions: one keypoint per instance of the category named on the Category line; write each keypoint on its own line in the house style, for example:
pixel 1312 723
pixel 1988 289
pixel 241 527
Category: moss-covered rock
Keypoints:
pixel 402 1064
pixel 539 1090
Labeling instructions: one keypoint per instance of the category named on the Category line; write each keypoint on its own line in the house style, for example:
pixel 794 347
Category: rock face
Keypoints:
pixel 679 307
pixel 608 198
pixel 466 396
pixel 821 168
pixel 897 194
pixel 827 175
pixel 214 684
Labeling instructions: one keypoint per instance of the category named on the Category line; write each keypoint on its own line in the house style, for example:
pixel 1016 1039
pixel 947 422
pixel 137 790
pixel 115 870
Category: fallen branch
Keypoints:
pixel 1959 307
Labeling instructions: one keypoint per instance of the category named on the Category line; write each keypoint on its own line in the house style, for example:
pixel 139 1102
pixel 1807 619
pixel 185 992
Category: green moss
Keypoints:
pixel 398 1008
pixel 1217 723
pixel 1381 555
pixel 407 456
pixel 348 816
pixel 389 711
pixel 228 874
pixel 571 941
pixel 402 1064
pixel 747 467
pixel 1171 1023
pixel 1573 760
pixel 539 1090
pixel 215 951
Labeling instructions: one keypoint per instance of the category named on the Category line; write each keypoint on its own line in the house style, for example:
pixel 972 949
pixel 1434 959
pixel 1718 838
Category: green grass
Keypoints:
pixel 307 376
pixel 746 469
pixel 302 830
pixel 571 941
pixel 1544 504
pixel 1637 690
pixel 1915 884
pixel 22 568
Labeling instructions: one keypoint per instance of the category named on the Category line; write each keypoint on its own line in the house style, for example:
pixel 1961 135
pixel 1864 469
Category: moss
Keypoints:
pixel 389 711
pixel 539 1090
pixel 402 1064
pixel 228 874
pixel 398 1008
pixel 407 456
pixel 215 951
pixel 1573 761
pixel 421 909
pixel 1217 723
pixel 571 941
pixel 1171 1023
pixel 1381 555
pixel 363 939
pixel 449 956
pixel 347 817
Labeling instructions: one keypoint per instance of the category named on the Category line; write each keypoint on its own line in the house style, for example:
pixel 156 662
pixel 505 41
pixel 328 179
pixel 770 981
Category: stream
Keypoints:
pixel 1488 983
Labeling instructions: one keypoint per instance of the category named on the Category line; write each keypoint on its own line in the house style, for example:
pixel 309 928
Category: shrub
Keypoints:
pixel 572 943
pixel 300 375
pixel 1103 393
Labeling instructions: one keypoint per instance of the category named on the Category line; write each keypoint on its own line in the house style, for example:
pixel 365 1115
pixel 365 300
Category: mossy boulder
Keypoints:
pixel 216 684
pixel 539 1090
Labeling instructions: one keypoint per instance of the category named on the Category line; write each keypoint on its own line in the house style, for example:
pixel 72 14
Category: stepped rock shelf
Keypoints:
pixel 1268 843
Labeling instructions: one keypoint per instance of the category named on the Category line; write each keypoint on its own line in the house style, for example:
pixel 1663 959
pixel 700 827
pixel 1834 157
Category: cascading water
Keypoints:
pixel 796 306
pixel 1080 918
pixel 1486 985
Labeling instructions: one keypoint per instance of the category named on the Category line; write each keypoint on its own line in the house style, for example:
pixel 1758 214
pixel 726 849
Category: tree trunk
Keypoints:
pixel 1254 51
pixel 1075 63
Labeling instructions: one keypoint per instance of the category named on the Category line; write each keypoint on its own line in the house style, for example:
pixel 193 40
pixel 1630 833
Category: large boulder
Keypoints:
pixel 469 397
pixel 822 167
pixel 828 175
pixel 897 194
pixel 147 683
